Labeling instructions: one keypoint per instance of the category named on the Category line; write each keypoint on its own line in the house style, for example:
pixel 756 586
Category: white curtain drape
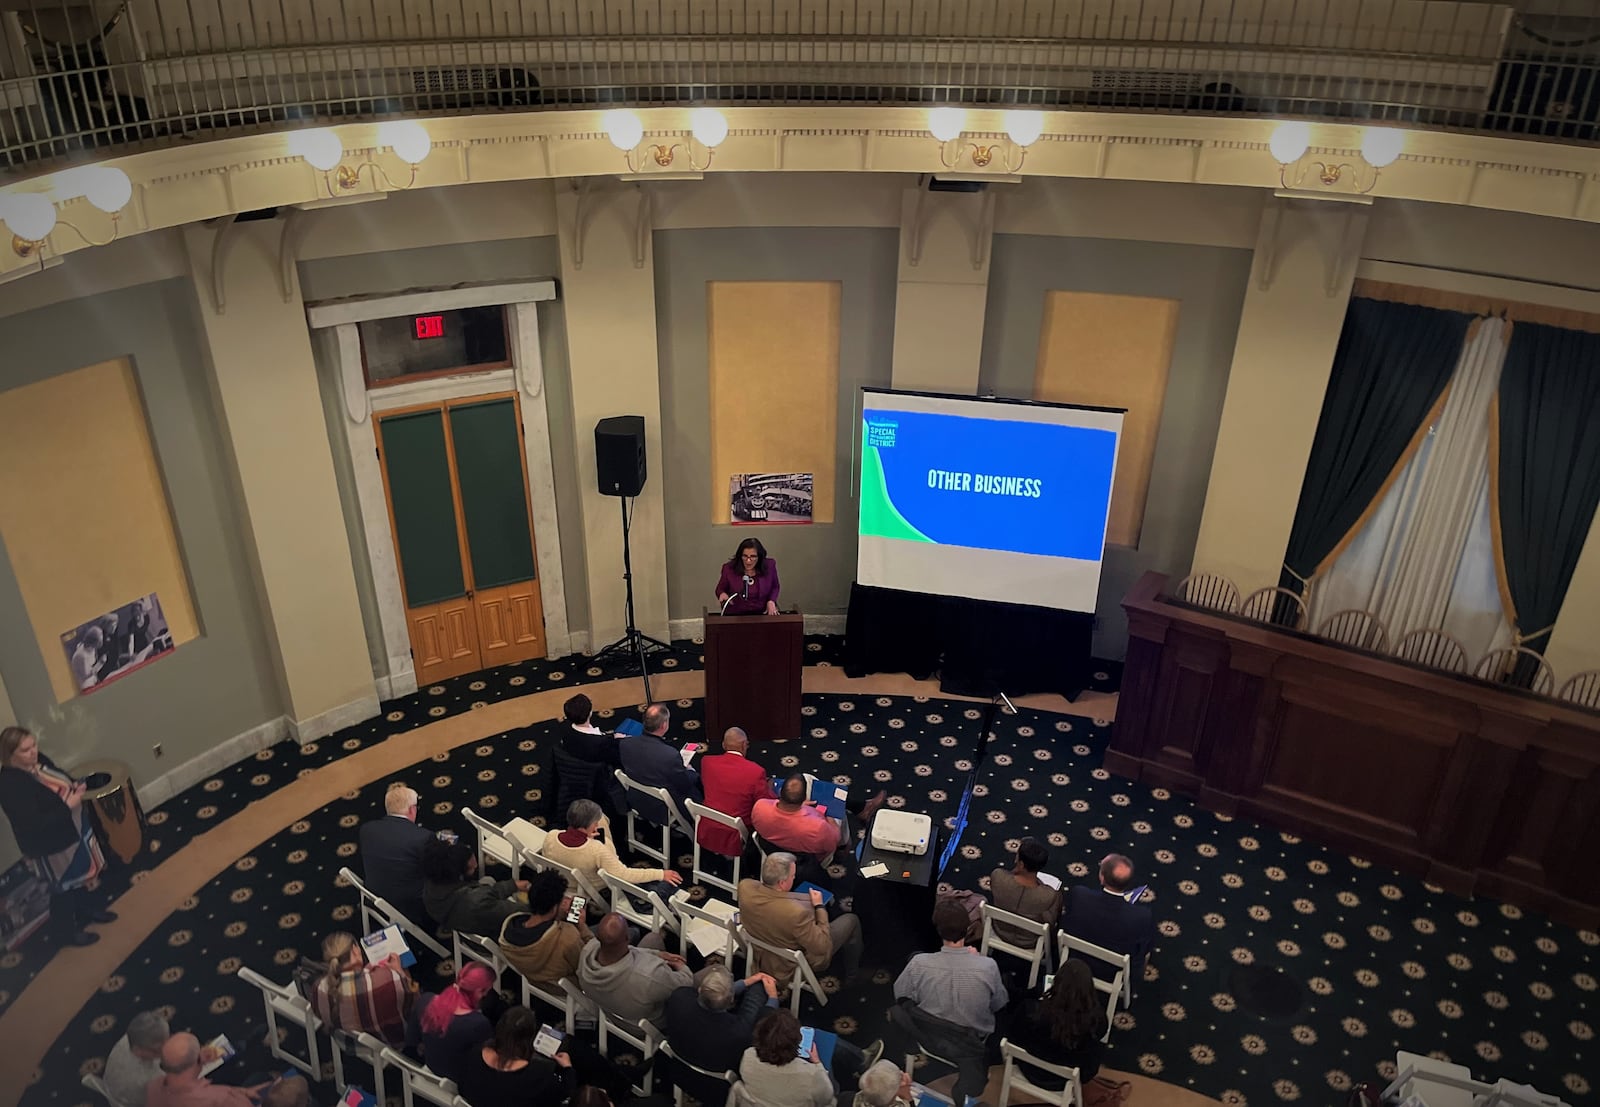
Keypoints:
pixel 1425 558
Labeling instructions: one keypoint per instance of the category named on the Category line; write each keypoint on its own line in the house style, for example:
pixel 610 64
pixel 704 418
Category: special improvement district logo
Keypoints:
pixel 881 432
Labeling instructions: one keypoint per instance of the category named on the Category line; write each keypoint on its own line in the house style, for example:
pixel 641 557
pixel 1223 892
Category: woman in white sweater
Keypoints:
pixel 775 1074
pixel 582 847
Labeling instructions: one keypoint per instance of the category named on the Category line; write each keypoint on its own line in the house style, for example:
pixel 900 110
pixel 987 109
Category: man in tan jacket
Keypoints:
pixel 772 911
pixel 542 945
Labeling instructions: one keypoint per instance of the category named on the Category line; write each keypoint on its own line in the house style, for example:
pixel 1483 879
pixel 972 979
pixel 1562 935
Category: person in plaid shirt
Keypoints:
pixel 354 996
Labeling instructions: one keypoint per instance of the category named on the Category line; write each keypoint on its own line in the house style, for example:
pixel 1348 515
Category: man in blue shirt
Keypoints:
pixel 649 760
pixel 947 1001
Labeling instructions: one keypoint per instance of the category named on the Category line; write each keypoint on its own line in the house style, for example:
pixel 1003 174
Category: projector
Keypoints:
pixel 901 832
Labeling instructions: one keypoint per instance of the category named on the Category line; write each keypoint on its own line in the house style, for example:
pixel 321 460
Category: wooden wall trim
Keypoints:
pixel 1478 788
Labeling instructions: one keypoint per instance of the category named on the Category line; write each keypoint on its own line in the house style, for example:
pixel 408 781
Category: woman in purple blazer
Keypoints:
pixel 749 581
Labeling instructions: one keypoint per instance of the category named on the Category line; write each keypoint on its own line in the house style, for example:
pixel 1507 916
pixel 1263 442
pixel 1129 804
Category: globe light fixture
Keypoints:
pixel 1024 127
pixel 29 216
pixel 1290 141
pixel 946 124
pixel 320 147
pixel 708 126
pixel 1380 146
pixel 407 138
pixel 624 129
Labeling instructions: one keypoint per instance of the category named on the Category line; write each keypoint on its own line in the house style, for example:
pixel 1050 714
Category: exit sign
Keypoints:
pixel 428 326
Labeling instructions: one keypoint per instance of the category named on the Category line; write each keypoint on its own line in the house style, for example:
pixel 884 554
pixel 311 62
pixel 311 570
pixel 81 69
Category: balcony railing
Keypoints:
pixel 109 74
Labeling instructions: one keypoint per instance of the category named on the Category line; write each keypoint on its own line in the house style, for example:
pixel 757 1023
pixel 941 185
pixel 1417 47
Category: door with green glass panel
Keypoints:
pixel 458 506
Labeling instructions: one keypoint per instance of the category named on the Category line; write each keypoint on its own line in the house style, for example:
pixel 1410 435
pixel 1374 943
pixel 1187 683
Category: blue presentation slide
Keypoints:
pixel 988 484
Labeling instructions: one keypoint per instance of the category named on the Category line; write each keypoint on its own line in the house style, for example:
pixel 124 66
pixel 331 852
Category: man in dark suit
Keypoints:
pixel 1102 916
pixel 709 1025
pixel 649 760
pixel 733 783
pixel 391 854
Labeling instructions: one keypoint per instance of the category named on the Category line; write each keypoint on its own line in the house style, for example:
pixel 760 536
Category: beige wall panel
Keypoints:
pixel 778 200
pixel 83 511
pixel 1112 351
pixel 430 217
pixel 774 372
pixel 938 336
pixel 1194 215
pixel 157 256
pixel 1536 193
pixel 1282 358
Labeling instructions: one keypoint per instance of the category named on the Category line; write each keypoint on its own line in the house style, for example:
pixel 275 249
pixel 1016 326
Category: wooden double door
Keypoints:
pixel 457 486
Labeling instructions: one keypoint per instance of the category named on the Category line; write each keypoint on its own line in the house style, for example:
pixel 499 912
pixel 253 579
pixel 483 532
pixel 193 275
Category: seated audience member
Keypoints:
pixel 1020 891
pixel 586 846
pixel 947 1001
pixel 771 910
pixel 287 1091
pixel 506 1071
pixel 453 1023
pixel 542 945
pixel 454 898
pixel 709 1025
pixel 733 784
pixel 1100 915
pixel 586 758
pixel 1063 1027
pixel 796 824
pixel 354 996
pixel 775 1074
pixel 391 853
pixel 884 1085
pixel 585 741
pixel 649 760
pixel 630 983
pixel 181 1085
pixel 136 1059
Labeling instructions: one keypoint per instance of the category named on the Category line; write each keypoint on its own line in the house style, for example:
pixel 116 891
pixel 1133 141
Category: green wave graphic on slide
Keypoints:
pixel 878 514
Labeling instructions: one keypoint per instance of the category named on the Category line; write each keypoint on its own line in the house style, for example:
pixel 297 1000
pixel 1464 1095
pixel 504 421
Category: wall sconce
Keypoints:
pixel 320 147
pixel 1023 129
pixel 1297 170
pixel 31 217
pixel 707 128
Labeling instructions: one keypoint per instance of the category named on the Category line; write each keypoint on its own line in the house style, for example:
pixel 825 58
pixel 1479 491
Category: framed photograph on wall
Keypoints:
pixel 113 645
pixel 769 497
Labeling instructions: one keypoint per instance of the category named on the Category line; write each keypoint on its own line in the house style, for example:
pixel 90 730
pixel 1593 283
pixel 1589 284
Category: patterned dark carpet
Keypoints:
pixel 1286 971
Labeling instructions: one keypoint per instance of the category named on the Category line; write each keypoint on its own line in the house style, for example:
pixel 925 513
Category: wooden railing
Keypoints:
pixel 1480 788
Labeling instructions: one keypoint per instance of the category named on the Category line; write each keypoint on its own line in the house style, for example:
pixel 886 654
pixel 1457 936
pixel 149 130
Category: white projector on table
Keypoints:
pixel 901 832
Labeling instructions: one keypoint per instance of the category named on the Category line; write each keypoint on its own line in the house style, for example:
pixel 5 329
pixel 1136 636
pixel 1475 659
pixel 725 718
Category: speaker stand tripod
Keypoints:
pixel 634 643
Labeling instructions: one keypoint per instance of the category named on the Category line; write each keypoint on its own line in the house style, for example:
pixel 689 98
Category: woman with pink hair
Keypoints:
pixel 453 1023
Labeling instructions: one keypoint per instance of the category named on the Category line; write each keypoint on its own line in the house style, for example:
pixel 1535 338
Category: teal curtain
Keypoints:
pixel 1547 474
pixel 1391 366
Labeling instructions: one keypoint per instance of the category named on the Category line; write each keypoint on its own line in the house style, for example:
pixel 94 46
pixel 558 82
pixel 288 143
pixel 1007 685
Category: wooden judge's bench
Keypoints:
pixel 1479 788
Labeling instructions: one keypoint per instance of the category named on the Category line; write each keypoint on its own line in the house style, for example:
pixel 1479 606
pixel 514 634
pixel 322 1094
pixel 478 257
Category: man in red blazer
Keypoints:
pixel 733 783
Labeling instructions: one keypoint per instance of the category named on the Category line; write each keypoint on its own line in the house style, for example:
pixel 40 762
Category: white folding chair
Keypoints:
pixel 923 1091
pixel 1070 1094
pixel 1120 986
pixel 376 907
pixel 502 843
pixel 365 1047
pixel 804 978
pixel 728 1077
pixel 641 1035
pixel 282 1001
pixel 565 1001
pixel 577 883
pixel 699 811
pixel 472 947
pixel 675 819
pixel 703 918
pixel 1036 955
pixel 641 906
pixel 419 1082
pixel 98 1087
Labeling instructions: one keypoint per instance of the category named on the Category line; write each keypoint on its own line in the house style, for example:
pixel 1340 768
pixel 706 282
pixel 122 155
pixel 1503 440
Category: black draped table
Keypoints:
pixel 978 647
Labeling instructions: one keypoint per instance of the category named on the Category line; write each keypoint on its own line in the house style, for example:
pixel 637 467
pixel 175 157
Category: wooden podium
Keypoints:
pixel 753 675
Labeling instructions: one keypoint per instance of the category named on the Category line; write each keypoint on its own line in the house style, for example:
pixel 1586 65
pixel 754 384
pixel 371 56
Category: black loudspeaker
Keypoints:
pixel 619 455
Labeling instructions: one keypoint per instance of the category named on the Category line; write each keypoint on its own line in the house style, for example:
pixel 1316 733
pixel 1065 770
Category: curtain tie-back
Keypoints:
pixel 1518 638
pixel 1303 580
